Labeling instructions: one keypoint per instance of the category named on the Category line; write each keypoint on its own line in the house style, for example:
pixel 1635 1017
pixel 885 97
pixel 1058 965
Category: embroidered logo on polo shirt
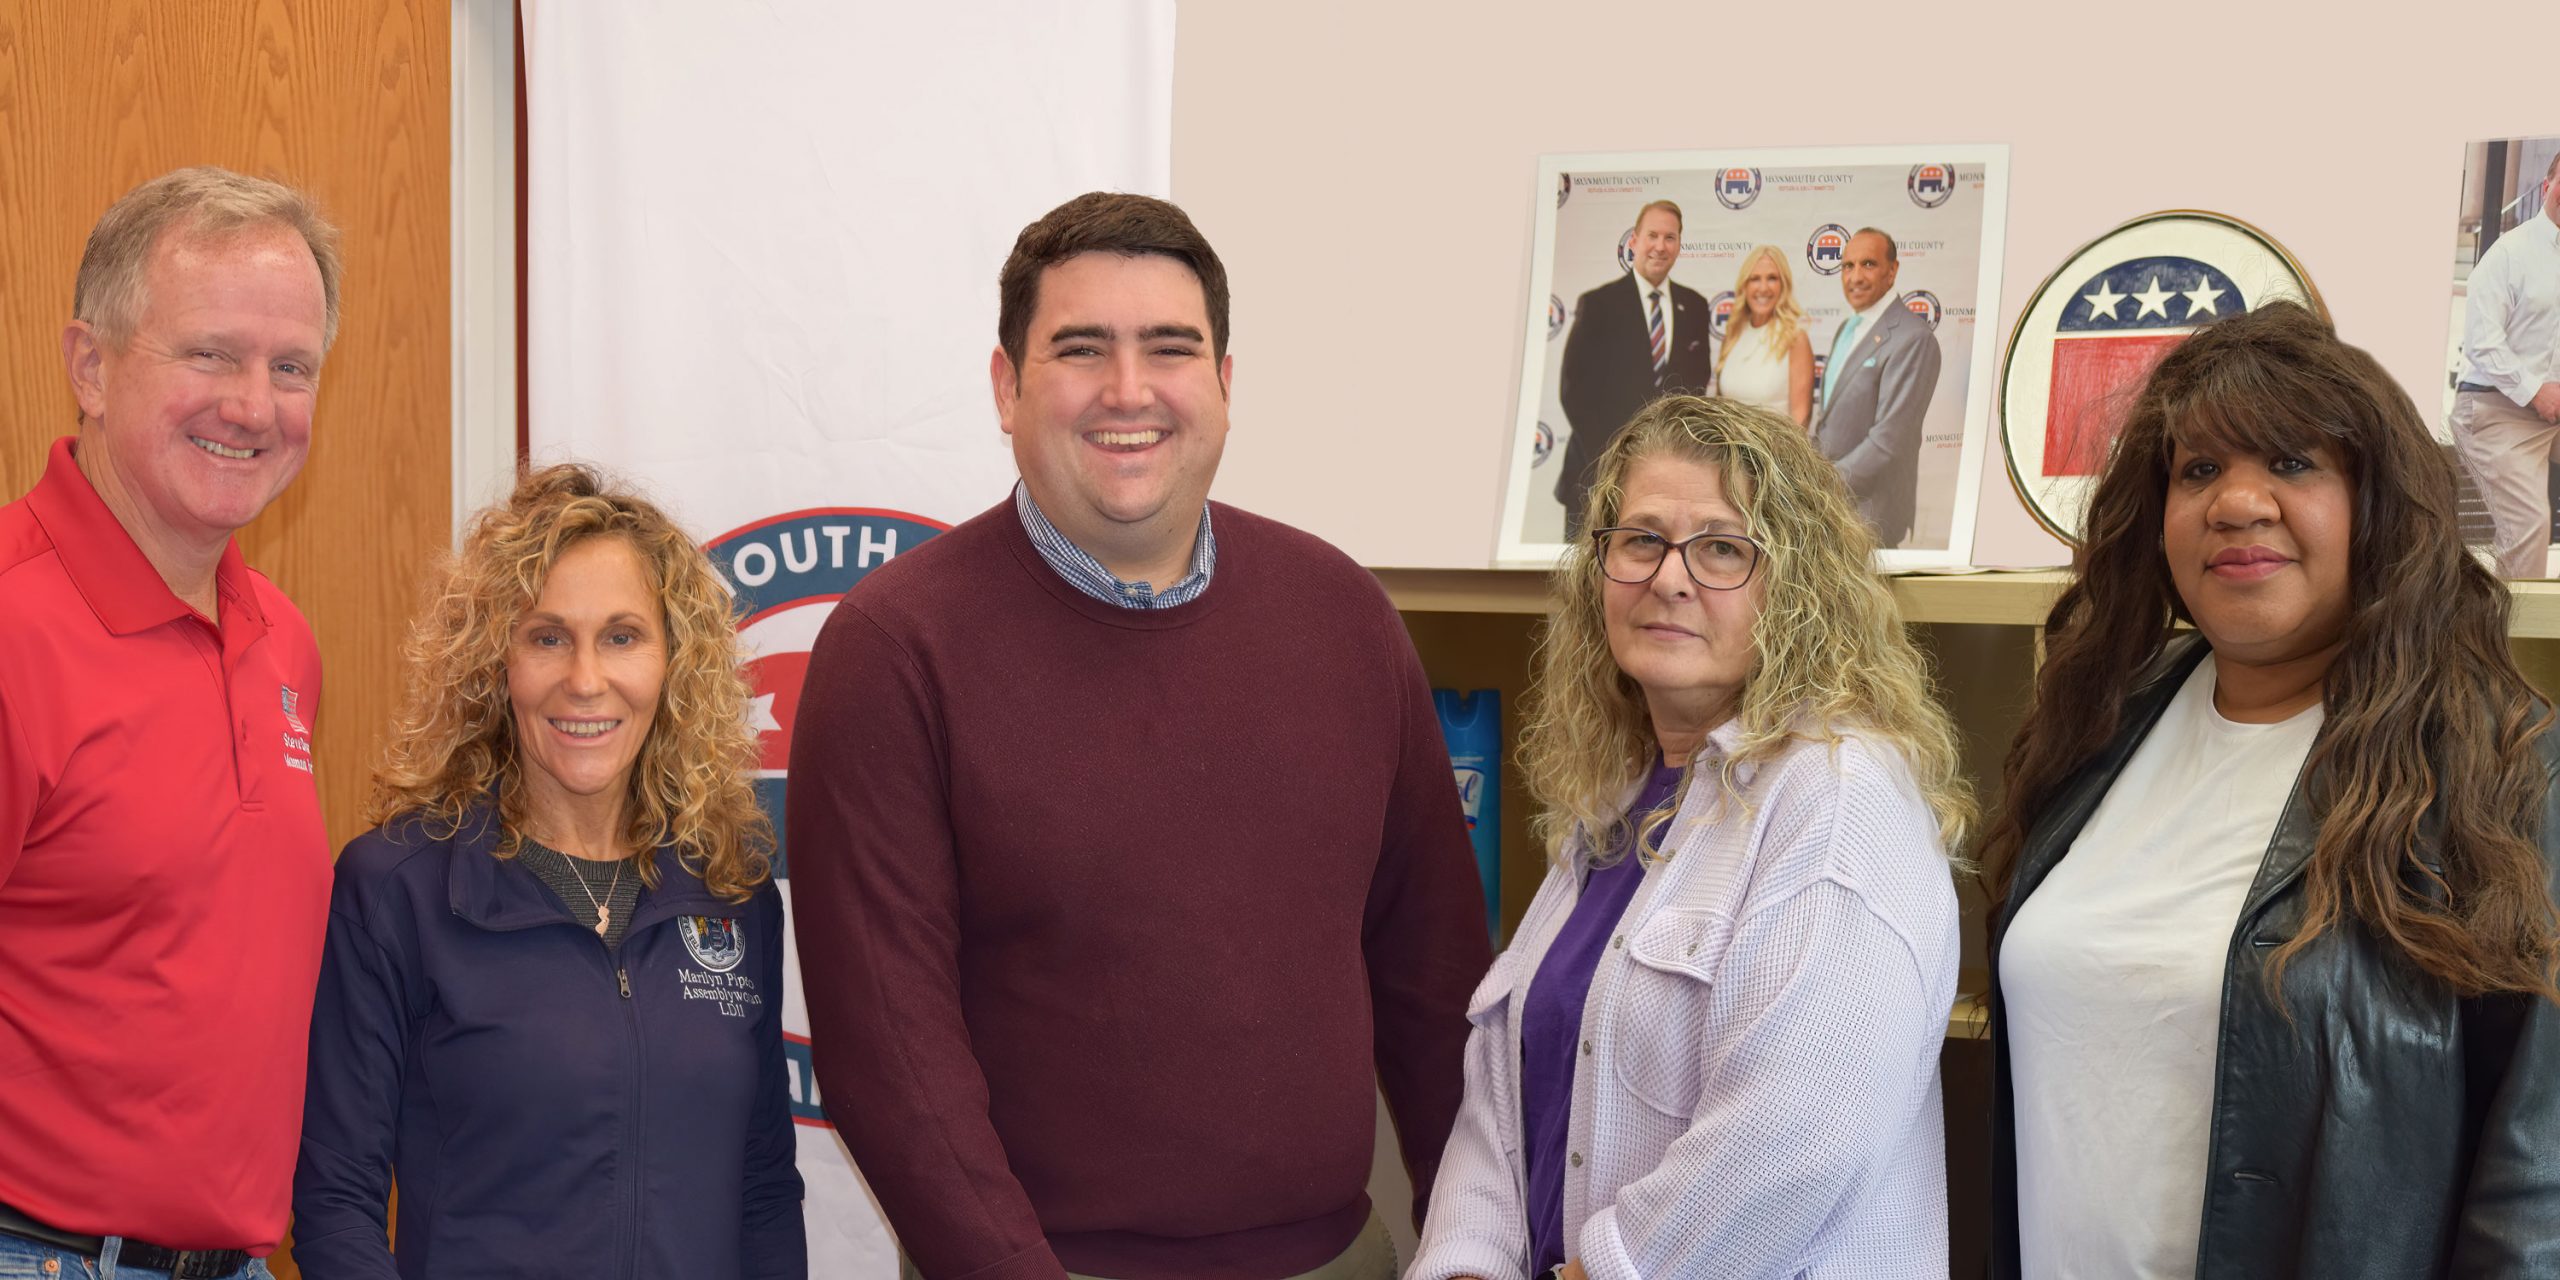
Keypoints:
pixel 713 940
pixel 297 735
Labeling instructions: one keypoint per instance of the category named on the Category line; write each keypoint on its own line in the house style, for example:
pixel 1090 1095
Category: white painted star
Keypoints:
pixel 760 715
pixel 2102 304
pixel 2153 299
pixel 2200 300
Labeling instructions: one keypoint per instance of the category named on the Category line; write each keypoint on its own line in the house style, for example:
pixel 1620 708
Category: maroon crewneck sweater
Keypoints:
pixel 1112 921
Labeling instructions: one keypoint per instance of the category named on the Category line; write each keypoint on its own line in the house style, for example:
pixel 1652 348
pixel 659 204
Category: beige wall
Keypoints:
pixel 1347 157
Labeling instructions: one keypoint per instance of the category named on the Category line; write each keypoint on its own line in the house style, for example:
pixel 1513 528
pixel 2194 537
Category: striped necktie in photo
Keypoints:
pixel 1661 341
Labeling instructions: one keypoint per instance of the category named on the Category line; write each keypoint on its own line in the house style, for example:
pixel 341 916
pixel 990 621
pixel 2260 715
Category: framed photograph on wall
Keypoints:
pixel 1845 287
pixel 2500 410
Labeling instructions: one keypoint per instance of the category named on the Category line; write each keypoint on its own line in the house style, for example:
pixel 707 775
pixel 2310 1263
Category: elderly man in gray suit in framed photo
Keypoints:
pixel 1876 389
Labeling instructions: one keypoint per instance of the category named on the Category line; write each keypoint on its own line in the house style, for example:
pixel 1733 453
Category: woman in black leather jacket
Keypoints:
pixel 2274 929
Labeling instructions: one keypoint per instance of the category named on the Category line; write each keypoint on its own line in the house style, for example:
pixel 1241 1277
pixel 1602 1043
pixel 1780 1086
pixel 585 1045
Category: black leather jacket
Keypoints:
pixel 2391 1129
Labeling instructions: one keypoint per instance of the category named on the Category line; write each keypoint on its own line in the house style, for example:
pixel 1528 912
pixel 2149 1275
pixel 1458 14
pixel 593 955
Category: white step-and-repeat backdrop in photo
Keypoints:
pixel 1944 207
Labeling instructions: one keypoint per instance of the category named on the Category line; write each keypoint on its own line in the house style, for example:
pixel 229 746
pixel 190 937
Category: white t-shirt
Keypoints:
pixel 2112 976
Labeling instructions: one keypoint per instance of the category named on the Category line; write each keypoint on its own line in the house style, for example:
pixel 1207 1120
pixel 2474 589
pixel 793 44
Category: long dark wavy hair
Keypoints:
pixel 2428 721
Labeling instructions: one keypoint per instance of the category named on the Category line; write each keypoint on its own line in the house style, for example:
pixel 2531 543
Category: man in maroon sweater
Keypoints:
pixel 1125 851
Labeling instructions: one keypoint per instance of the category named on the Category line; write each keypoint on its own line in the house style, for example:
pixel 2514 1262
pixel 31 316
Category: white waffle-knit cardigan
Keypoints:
pixel 1757 1093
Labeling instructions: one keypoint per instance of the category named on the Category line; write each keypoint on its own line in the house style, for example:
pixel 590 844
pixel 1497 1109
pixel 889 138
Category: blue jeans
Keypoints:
pixel 24 1259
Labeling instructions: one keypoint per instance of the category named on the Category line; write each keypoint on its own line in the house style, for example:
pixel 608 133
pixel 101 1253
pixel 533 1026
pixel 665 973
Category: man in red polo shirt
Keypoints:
pixel 164 876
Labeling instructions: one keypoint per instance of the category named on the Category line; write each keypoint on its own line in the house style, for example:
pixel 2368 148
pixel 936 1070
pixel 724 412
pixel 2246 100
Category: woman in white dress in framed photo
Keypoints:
pixel 1767 359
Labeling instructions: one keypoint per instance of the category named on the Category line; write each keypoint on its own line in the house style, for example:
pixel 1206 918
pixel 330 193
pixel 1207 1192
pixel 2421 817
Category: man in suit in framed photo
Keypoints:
pixel 1637 337
pixel 1876 389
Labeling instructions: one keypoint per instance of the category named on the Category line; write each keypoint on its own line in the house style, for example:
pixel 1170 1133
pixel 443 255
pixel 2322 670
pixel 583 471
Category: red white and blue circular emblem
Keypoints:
pixel 1924 304
pixel 788 571
pixel 1541 445
pixel 2094 328
pixel 1627 250
pixel 1931 185
pixel 1737 188
pixel 1827 249
pixel 1720 313
pixel 1555 316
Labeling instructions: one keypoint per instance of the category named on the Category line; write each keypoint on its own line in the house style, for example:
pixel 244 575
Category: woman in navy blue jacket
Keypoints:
pixel 552 997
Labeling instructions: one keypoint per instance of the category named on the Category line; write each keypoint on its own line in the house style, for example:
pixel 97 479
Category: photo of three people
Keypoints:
pixel 1836 287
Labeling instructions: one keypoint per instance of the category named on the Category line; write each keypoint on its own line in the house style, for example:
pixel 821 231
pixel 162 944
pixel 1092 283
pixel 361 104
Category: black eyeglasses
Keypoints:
pixel 1715 561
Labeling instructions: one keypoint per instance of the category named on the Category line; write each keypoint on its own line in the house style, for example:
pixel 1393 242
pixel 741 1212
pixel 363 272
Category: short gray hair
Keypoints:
pixel 202 202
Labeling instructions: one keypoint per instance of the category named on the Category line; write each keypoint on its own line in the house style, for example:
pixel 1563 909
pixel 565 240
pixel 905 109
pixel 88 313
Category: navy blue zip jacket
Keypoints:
pixel 553 1109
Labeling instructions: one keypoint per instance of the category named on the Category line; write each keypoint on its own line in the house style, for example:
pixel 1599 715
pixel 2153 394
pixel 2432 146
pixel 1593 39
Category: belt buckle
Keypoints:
pixel 184 1264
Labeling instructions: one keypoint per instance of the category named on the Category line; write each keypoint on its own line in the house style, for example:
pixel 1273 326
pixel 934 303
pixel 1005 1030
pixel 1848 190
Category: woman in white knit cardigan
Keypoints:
pixel 1711 1049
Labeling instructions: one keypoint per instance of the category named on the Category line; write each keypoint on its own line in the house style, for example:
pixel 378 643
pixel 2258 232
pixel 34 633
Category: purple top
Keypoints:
pixel 1551 1026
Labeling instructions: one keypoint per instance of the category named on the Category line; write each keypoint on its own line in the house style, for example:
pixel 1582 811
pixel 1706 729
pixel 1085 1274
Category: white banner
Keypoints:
pixel 762 253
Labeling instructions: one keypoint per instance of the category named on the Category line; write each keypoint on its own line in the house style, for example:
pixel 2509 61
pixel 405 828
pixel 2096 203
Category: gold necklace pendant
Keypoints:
pixel 603 906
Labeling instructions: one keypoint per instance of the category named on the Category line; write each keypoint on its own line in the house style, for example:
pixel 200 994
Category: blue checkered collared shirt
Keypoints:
pixel 1087 575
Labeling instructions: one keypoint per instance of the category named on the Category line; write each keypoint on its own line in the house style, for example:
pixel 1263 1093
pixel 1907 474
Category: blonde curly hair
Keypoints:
pixel 1829 651
pixel 454 739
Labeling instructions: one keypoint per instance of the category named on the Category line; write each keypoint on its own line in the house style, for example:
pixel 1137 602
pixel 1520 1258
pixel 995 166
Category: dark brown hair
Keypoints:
pixel 1104 222
pixel 2428 720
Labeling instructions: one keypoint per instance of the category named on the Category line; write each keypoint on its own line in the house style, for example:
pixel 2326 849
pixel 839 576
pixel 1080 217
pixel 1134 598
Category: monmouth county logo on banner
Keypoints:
pixel 1736 189
pixel 1931 184
pixel 788 571
pixel 2097 326
pixel 1827 249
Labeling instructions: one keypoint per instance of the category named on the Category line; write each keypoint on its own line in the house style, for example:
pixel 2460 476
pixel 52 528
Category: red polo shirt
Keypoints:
pixel 164 884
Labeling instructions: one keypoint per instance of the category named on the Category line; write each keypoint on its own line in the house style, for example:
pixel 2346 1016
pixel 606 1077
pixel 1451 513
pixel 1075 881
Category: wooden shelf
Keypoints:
pixel 1969 1020
pixel 2002 598
pixel 1465 590
pixel 2537 614
pixel 2015 599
